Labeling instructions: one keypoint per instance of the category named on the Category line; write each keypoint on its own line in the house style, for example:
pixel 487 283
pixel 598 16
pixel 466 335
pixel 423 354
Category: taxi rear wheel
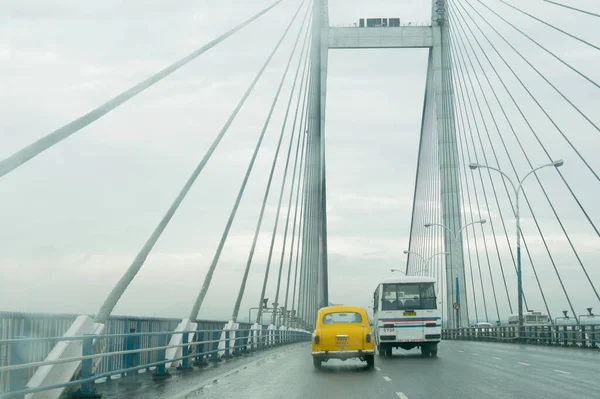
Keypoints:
pixel 370 361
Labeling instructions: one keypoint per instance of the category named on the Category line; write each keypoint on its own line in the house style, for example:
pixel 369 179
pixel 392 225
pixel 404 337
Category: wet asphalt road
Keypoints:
pixel 462 370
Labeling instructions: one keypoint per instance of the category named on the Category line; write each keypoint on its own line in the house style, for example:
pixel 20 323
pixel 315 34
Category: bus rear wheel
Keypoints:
pixel 317 363
pixel 425 351
pixel 388 351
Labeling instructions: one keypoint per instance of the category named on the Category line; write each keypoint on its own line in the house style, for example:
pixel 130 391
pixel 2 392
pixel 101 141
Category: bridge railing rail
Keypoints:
pixel 44 325
pixel 128 344
pixel 574 335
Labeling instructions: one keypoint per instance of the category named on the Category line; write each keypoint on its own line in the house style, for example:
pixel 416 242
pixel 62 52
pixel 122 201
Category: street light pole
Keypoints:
pixel 453 255
pixel 425 261
pixel 517 189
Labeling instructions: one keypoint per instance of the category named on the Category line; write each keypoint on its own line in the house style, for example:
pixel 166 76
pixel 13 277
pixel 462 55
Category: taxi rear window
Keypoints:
pixel 342 317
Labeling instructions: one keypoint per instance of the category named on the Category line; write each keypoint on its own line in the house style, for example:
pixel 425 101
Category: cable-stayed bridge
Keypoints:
pixel 503 216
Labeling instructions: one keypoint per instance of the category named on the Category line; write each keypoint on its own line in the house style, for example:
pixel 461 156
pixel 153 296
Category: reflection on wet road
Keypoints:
pixel 462 370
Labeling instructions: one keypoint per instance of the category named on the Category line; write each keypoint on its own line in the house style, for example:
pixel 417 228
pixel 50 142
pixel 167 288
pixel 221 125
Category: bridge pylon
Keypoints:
pixel 439 77
pixel 316 129
pixel 438 111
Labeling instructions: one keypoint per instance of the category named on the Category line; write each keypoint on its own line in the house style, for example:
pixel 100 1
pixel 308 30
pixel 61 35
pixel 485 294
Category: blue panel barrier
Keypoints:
pixel 130 344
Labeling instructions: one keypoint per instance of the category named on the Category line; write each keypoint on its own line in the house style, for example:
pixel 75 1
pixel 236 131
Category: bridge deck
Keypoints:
pixel 462 370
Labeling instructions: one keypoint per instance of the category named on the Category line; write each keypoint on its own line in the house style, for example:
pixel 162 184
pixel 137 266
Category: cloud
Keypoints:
pixel 75 217
pixel 358 202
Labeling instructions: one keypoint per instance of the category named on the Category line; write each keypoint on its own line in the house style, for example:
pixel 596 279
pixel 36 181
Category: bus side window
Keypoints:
pixel 389 301
pixel 375 301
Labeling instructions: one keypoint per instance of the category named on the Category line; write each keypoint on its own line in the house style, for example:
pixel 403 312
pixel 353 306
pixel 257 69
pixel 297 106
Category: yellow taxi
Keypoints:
pixel 343 332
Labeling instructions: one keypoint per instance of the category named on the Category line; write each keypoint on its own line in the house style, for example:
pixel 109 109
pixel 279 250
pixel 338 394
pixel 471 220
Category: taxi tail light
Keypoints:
pixel 317 339
pixel 368 337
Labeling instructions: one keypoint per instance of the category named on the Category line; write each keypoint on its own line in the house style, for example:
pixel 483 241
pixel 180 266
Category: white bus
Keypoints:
pixel 406 315
pixel 530 318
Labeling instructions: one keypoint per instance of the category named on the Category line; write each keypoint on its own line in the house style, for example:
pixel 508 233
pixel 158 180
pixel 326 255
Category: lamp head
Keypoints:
pixel 406 251
pixel 427 224
pixel 473 165
pixel 558 163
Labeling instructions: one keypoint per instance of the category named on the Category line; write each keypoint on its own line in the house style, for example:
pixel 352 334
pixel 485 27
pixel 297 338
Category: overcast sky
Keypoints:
pixel 74 218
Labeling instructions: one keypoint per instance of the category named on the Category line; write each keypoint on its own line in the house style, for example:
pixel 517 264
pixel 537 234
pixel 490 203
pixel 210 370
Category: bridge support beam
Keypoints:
pixel 64 372
pixel 177 339
pixel 441 76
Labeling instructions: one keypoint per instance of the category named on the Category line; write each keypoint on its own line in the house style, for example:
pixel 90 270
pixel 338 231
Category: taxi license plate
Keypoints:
pixel 410 313
pixel 342 343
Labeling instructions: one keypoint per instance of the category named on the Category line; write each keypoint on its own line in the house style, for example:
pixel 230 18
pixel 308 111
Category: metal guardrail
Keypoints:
pixel 129 344
pixel 43 325
pixel 574 335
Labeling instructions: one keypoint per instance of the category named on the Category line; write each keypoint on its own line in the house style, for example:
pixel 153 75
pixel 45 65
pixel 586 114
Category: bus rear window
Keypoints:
pixel 408 296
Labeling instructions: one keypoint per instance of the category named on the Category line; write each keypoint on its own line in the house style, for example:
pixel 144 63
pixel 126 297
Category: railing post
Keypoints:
pixel 227 353
pixel 216 338
pixel 19 354
pixel 238 347
pixel 88 389
pixel 200 359
pixel 131 359
pixel 160 372
pixel 130 344
pixel 185 361
pixel 244 341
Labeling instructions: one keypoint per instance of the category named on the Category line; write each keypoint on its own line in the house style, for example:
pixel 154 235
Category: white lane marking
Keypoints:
pixel 377 368
pixel 562 372
pixel 388 379
pixel 461 351
pixel 524 364
pixel 401 395
pixel 476 354
pixel 497 358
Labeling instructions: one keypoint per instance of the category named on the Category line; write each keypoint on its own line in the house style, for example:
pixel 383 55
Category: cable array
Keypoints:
pixel 491 105
pixel 490 85
pixel 501 104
